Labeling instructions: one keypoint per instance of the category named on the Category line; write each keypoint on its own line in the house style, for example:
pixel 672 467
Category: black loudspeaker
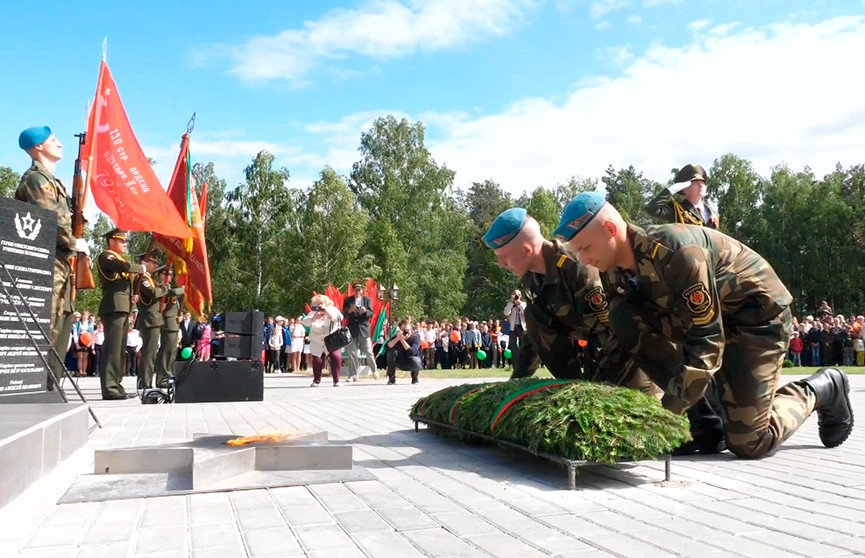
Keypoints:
pixel 244 323
pixel 217 381
pixel 242 346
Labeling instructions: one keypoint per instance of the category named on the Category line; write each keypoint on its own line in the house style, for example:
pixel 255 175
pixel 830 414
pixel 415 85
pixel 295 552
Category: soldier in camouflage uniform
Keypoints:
pixel 39 187
pixel 168 334
pixel 691 304
pixel 683 202
pixel 568 317
pixel 148 322
pixel 115 274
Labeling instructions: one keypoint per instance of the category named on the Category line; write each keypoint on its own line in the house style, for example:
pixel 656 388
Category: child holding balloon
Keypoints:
pixel 82 334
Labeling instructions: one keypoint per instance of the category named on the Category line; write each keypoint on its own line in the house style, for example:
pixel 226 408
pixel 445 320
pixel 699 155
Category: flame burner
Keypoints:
pixel 212 460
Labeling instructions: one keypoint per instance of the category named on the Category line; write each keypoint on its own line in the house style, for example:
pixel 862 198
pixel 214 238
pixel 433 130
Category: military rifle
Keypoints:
pixel 82 275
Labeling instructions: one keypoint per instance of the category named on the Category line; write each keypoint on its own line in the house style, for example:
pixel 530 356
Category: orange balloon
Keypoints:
pixel 85 338
pixel 455 336
pixel 424 345
pixel 583 343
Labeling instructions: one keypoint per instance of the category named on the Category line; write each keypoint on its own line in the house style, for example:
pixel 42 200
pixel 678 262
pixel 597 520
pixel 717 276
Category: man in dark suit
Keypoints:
pixel 187 332
pixel 358 312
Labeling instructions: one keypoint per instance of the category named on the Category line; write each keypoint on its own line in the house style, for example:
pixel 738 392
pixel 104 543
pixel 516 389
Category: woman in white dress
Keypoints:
pixel 322 321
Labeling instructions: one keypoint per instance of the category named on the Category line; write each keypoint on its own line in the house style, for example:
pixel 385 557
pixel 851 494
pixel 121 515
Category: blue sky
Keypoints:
pixel 524 92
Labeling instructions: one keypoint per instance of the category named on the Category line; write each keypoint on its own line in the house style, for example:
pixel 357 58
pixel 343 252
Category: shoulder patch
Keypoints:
pixel 111 257
pixel 699 303
pixel 597 300
pixel 146 283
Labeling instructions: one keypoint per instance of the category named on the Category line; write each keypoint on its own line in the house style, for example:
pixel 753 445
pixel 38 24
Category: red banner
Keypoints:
pixel 190 255
pixel 123 183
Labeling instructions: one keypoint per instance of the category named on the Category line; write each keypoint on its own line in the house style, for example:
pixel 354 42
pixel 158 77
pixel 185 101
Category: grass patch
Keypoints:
pixel 544 373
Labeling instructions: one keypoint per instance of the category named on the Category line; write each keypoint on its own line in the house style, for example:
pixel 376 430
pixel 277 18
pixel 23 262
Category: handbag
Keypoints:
pixel 338 339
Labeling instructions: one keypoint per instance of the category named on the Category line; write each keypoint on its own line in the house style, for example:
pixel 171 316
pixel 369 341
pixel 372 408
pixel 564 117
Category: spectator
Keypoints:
pixel 322 321
pixel 358 311
pixel 515 313
pixel 204 337
pixel 274 345
pixel 796 348
pixel 404 352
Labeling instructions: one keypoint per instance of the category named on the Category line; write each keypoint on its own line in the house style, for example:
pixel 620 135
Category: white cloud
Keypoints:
pixel 656 3
pixel 697 25
pixel 635 19
pixel 381 29
pixel 618 55
pixel 600 8
pixel 782 93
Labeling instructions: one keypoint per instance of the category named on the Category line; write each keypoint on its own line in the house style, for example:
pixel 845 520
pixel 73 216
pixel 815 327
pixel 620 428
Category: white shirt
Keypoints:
pixel 321 327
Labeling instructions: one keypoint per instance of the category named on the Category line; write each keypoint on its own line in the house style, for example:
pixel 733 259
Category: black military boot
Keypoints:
pixel 707 431
pixel 834 412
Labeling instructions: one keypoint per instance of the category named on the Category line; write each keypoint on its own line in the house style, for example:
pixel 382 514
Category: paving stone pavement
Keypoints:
pixel 440 497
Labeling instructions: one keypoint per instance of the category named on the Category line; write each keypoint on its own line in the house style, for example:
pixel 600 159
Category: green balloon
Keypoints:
pixel 507 353
pixel 186 353
pixel 482 354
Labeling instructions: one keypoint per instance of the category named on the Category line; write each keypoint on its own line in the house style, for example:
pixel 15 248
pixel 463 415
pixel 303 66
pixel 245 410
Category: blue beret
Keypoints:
pixel 505 227
pixel 31 137
pixel 578 213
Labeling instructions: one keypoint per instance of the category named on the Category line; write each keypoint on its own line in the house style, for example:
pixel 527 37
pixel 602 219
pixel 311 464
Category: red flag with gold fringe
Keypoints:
pixel 121 179
pixel 189 256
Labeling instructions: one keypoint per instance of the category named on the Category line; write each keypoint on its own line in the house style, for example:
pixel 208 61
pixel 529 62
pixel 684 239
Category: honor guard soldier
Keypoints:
pixel 39 186
pixel 170 307
pixel 116 276
pixel 568 317
pixel 684 202
pixel 691 304
pixel 149 321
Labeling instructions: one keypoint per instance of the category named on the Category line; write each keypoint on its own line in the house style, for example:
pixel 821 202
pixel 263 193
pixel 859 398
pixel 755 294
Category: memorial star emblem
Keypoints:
pixel 27 222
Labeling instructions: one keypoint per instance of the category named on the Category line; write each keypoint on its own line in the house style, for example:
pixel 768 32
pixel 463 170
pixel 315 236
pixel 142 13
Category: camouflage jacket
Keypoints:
pixel 39 187
pixel 565 305
pixel 671 208
pixel 703 284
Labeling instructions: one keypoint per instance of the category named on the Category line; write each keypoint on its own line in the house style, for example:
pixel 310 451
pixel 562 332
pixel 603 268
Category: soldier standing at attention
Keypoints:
pixel 115 274
pixel 684 201
pixel 38 186
pixel 567 304
pixel 168 334
pixel 691 304
pixel 149 322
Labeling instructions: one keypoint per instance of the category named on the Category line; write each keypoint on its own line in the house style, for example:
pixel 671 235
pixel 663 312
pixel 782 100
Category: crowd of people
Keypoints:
pixel 87 336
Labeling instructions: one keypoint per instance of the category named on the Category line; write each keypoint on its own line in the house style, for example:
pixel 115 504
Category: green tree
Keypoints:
pixel 739 191
pixel 9 180
pixel 259 212
pixel 486 284
pixel 569 190
pixel 334 232
pixel 629 191
pixel 414 238
pixel 543 205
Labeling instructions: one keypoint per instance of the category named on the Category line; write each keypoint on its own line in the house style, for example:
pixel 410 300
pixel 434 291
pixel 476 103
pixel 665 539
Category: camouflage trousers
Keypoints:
pixel 61 317
pixel 758 413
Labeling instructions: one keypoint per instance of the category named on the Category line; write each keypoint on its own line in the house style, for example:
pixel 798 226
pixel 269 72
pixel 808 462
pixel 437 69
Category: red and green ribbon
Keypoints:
pixel 521 394
pixel 452 413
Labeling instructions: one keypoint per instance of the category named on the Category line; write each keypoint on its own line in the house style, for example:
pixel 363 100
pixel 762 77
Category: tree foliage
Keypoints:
pixel 398 218
pixel 9 180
